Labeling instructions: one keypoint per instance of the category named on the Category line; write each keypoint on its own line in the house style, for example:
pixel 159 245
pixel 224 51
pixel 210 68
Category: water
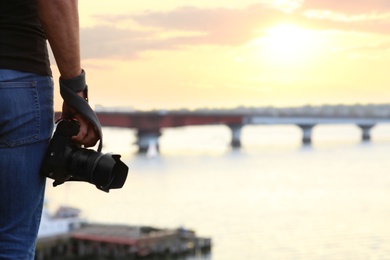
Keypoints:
pixel 272 199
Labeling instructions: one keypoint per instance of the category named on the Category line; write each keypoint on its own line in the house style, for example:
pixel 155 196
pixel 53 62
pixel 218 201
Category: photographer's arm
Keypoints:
pixel 60 21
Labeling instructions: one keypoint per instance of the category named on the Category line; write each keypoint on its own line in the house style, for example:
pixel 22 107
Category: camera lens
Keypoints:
pixel 106 171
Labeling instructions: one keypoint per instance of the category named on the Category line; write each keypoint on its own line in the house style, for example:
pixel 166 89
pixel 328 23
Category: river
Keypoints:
pixel 272 199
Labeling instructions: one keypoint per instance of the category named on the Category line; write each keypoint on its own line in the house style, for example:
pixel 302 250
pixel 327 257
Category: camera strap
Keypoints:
pixel 68 90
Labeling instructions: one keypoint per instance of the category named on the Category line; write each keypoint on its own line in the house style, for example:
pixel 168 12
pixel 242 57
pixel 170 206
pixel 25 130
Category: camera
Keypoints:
pixel 66 160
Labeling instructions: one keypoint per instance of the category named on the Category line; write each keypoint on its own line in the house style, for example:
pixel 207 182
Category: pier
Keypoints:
pixel 93 241
pixel 148 124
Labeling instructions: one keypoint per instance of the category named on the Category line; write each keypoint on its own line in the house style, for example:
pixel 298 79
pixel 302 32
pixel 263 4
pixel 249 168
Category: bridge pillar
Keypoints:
pixel 147 137
pixel 236 135
pixel 306 132
pixel 366 136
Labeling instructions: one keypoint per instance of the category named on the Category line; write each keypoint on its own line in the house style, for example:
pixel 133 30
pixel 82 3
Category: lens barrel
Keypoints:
pixel 106 171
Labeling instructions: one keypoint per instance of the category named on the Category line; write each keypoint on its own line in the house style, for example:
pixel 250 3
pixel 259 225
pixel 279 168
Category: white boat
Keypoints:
pixel 63 221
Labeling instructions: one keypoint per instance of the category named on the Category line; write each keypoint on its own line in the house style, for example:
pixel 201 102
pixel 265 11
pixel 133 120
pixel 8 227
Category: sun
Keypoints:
pixel 289 44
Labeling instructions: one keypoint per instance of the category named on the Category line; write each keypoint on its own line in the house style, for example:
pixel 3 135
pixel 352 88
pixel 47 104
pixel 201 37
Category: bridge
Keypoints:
pixel 150 123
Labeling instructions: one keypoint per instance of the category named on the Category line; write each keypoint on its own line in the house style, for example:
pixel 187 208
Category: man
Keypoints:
pixel 26 110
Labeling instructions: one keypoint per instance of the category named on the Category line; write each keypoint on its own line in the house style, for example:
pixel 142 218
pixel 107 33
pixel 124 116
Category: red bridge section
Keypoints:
pixel 149 124
pixel 154 121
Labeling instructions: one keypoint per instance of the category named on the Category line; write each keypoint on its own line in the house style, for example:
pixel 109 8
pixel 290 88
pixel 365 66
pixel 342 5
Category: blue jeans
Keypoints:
pixel 26 125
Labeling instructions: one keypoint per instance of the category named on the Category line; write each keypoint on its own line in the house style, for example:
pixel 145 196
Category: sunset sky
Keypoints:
pixel 220 53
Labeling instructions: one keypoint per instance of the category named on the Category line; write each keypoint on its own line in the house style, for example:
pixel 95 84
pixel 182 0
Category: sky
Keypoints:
pixel 224 54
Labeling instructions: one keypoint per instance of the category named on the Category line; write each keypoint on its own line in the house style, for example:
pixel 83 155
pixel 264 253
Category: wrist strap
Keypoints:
pixel 68 90
pixel 76 84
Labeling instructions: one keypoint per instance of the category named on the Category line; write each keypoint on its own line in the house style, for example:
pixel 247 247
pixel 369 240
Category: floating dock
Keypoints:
pixel 101 241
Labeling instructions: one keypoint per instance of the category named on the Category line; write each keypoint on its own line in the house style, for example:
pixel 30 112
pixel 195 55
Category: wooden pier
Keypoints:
pixel 99 241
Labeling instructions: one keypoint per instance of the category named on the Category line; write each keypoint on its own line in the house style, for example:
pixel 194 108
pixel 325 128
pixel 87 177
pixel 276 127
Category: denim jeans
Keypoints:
pixel 26 125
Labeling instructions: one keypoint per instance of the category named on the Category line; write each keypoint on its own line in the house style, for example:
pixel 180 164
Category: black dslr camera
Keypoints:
pixel 66 160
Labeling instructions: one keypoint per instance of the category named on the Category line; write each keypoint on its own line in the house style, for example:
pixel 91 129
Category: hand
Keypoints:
pixel 88 134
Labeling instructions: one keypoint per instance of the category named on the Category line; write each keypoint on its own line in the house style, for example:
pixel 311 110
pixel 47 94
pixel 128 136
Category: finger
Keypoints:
pixel 91 138
pixel 87 135
pixel 83 131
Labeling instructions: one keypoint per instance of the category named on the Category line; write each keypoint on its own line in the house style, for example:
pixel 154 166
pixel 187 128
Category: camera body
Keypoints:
pixel 66 160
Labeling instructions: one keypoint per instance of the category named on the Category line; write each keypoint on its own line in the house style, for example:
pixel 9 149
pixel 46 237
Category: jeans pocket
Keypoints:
pixel 20 113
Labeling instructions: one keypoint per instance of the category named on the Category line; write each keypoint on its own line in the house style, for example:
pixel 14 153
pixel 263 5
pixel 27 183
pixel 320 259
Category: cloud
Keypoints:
pixel 110 41
pixel 348 6
pixel 364 16
pixel 190 26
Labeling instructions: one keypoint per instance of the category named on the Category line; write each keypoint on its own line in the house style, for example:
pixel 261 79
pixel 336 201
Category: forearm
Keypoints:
pixel 60 22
